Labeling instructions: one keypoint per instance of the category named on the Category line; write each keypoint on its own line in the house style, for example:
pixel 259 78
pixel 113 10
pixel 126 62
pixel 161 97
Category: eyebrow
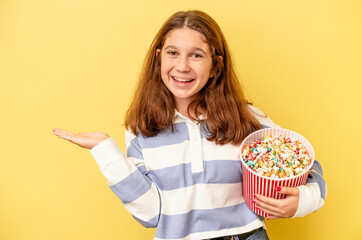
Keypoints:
pixel 193 49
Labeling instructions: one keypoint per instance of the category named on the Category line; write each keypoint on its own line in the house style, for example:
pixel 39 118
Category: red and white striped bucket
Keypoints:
pixel 254 183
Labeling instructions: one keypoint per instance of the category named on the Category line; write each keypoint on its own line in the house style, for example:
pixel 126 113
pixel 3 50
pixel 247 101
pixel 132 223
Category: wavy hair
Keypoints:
pixel 229 118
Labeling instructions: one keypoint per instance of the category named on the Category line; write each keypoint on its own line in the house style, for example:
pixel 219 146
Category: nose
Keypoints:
pixel 183 64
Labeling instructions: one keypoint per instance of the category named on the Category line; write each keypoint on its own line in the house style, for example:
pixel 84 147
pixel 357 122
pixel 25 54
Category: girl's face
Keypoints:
pixel 186 64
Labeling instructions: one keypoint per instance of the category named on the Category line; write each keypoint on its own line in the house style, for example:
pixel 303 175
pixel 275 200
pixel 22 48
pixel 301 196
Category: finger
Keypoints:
pixel 58 131
pixel 64 134
pixel 271 209
pixel 271 217
pixel 270 213
pixel 288 190
pixel 266 200
pixel 83 134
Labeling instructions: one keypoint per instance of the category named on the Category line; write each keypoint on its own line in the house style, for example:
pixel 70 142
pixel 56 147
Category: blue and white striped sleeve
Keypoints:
pixel 313 194
pixel 126 176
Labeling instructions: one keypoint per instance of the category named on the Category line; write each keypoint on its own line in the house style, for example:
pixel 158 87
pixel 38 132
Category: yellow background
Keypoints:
pixel 73 64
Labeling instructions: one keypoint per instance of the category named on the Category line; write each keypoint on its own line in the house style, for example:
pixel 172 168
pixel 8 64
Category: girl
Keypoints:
pixel 182 171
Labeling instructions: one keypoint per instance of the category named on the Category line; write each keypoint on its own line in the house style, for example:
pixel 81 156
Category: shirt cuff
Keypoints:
pixel 306 204
pixel 104 152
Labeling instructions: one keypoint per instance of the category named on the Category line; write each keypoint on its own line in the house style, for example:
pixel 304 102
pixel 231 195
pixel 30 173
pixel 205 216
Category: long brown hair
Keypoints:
pixel 153 108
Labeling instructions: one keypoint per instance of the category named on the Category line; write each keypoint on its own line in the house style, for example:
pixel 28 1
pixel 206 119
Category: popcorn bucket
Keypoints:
pixel 255 183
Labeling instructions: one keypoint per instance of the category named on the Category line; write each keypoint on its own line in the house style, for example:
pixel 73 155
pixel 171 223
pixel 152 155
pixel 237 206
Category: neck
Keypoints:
pixel 182 108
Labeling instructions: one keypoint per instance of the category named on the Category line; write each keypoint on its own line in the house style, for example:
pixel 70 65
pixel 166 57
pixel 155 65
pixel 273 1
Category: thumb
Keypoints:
pixel 288 190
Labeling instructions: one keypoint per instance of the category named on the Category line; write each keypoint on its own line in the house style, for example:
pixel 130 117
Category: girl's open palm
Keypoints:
pixel 84 140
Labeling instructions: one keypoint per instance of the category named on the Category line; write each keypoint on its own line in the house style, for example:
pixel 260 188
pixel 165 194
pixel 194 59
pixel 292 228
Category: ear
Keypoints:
pixel 213 71
pixel 158 52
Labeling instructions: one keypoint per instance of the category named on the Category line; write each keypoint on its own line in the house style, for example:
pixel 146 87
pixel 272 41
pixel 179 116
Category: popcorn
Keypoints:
pixel 276 157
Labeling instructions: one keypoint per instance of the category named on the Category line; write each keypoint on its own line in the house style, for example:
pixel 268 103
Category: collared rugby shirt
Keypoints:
pixel 186 186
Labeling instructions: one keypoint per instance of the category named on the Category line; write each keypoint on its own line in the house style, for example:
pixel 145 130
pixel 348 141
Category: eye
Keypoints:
pixel 196 55
pixel 172 53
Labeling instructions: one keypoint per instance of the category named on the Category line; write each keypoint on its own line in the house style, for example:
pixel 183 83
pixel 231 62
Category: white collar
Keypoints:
pixel 179 115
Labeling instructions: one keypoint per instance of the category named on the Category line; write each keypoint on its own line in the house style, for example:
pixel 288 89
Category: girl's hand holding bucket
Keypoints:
pixel 279 208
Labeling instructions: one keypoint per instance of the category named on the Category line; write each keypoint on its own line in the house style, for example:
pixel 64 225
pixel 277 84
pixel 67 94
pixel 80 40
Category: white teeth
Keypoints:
pixel 182 80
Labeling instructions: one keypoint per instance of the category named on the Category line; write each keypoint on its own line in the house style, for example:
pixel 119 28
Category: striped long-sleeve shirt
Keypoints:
pixel 186 186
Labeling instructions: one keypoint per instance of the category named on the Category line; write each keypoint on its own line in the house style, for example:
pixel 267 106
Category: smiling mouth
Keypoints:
pixel 182 80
